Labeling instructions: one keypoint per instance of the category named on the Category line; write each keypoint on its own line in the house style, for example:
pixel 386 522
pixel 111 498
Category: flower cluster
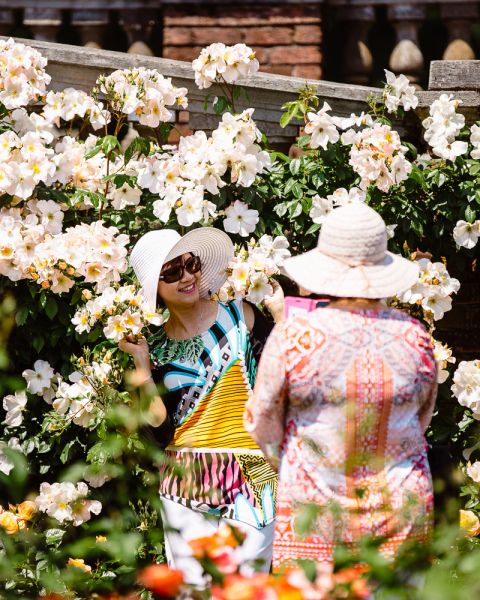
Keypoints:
pixel 443 356
pixel 67 502
pixel 181 177
pixel 122 312
pixel 466 234
pixel 377 155
pixel 71 103
pixel 321 127
pixel 22 74
pixel 218 62
pixel 442 127
pixel 77 401
pixel 24 163
pixel 252 267
pixel 219 548
pixel 16 517
pixel 433 289
pixel 90 251
pixel 466 385
pixel 469 522
pixel 398 92
pixel 321 207
pixel 21 232
pixel 73 167
pixel 142 92
pixel 293 583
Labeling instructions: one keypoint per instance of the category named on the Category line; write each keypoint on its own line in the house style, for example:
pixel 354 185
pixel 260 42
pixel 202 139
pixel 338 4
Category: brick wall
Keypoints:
pixel 287 38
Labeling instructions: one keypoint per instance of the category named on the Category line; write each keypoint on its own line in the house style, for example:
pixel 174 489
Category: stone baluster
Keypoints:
pixel 136 26
pixel 356 58
pixel 407 57
pixel 458 19
pixel 44 22
pixel 91 26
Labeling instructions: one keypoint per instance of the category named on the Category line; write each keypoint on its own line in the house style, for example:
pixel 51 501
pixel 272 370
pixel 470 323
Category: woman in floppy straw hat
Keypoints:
pixel 343 397
pixel 205 358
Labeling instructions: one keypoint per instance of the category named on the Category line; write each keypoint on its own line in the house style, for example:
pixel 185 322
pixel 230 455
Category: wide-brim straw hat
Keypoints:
pixel 155 248
pixel 351 258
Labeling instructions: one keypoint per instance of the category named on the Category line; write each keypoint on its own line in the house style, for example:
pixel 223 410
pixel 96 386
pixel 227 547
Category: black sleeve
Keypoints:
pixel 163 434
pixel 262 326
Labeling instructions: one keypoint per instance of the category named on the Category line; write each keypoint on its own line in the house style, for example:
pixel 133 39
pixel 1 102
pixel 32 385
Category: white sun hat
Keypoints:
pixel 155 248
pixel 351 258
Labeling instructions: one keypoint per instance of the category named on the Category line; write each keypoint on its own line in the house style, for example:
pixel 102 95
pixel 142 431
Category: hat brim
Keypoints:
pixel 215 249
pixel 322 274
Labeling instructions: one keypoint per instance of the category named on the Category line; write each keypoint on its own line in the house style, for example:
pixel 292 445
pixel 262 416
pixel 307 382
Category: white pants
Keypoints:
pixel 182 524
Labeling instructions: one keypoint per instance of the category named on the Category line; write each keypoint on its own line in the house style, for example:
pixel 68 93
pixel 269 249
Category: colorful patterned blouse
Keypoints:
pixel 215 466
pixel 339 397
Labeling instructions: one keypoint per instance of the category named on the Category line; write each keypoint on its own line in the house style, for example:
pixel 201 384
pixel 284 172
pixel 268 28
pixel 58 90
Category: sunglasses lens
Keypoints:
pixel 173 275
pixel 193 264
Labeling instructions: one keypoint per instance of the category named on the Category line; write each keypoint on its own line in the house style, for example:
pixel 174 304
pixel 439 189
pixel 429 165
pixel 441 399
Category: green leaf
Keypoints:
pixel 94 150
pixel 64 456
pixel 22 315
pixel 470 214
pixel 313 228
pixel 38 342
pixel 139 145
pixel 54 536
pixel 51 307
pixel 220 105
pixel 164 130
pixel 281 209
pixel 295 166
pixel 474 168
pixel 110 143
pixel 94 334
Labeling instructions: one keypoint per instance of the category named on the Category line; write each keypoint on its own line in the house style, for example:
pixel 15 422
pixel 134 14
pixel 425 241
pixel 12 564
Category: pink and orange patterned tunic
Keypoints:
pixel 340 400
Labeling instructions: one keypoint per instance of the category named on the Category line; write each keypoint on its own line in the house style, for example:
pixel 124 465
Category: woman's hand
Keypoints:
pixel 139 351
pixel 275 303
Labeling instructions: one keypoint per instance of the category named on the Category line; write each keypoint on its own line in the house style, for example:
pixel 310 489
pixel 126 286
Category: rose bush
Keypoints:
pixel 79 506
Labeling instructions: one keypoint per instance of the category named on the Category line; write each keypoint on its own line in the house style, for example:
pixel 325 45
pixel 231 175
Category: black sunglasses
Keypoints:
pixel 173 274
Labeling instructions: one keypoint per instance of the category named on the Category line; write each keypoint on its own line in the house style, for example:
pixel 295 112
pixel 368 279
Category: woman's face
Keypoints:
pixel 183 292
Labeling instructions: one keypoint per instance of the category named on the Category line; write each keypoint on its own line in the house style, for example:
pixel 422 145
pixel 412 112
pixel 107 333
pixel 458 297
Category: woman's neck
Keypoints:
pixel 186 322
pixel 353 303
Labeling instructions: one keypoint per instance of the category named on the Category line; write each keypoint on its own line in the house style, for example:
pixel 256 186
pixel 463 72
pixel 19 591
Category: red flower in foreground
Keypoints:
pixel 161 580
pixel 238 587
pixel 352 578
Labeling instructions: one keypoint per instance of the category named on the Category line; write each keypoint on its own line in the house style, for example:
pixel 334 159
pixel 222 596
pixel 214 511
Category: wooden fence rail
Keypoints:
pixel 72 66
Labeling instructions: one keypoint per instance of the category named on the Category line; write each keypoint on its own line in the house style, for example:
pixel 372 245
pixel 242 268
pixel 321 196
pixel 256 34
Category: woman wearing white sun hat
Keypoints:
pixel 205 357
pixel 357 380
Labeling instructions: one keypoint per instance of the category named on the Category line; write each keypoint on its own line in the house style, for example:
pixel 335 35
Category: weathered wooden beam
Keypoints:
pixel 454 75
